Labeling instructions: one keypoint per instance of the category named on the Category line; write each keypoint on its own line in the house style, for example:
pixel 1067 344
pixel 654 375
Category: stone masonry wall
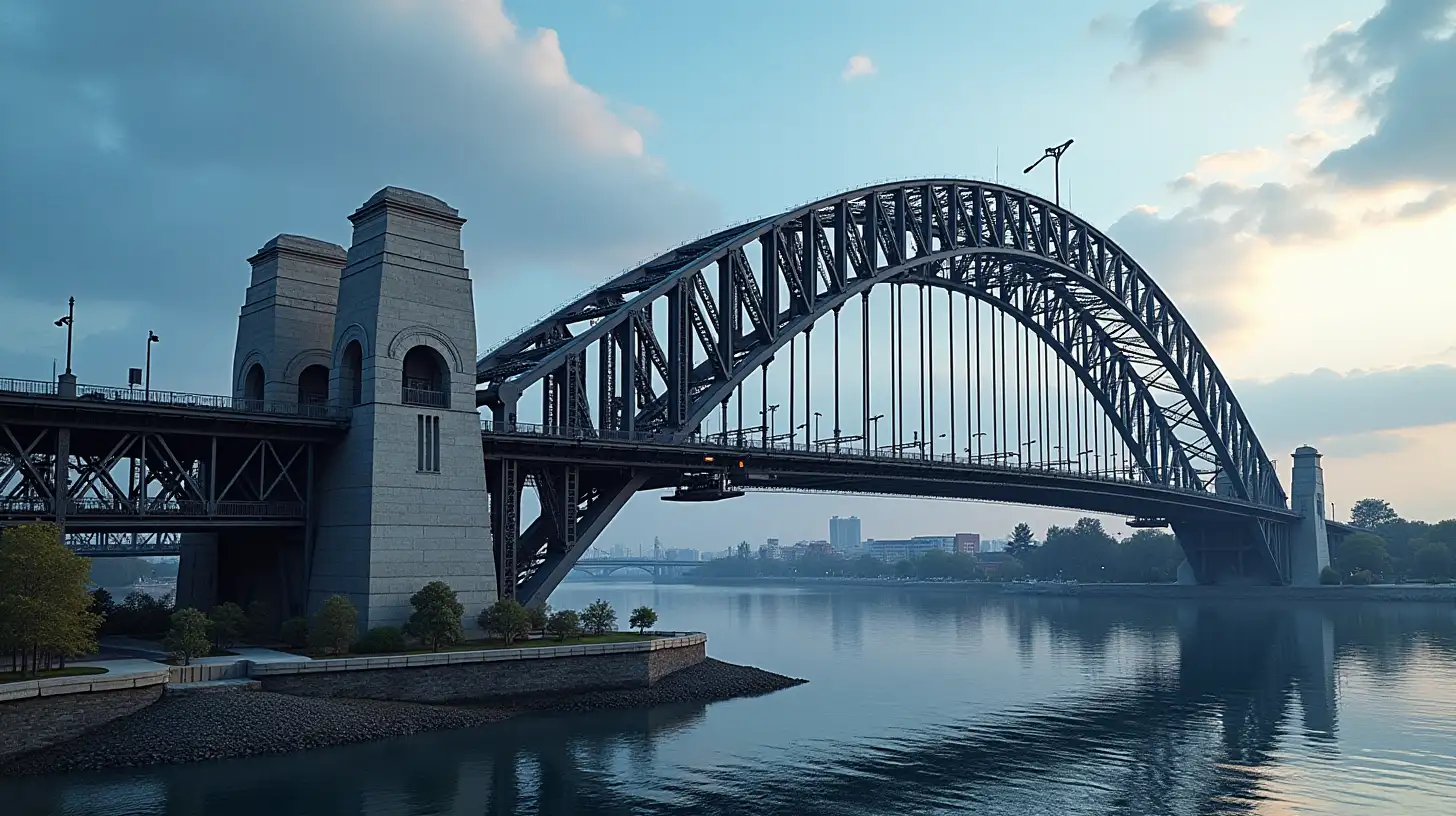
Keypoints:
pixel 478 681
pixel 461 676
pixel 662 662
pixel 40 722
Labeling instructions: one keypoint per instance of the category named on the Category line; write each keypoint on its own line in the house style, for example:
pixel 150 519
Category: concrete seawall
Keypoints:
pixel 469 676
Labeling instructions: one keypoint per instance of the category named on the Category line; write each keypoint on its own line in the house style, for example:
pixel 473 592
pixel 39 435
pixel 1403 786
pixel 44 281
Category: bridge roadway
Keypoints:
pixel 226 437
pixel 849 469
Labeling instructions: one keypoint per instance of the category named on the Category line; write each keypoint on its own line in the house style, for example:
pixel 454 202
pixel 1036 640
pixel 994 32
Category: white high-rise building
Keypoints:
pixel 844 535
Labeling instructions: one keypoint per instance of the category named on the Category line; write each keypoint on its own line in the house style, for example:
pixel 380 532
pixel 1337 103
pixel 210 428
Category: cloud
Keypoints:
pixel 1205 253
pixel 1326 405
pixel 1397 68
pixel 1169 33
pixel 1234 163
pixel 859 65
pixel 144 169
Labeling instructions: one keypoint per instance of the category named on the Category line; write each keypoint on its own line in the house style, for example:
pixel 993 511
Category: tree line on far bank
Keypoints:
pixel 1391 548
pixel 1082 552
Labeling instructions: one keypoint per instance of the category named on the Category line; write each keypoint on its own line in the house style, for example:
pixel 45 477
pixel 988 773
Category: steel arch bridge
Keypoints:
pixel 1073 358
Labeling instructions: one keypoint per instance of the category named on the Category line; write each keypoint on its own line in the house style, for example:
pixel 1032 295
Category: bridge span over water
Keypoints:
pixel 938 338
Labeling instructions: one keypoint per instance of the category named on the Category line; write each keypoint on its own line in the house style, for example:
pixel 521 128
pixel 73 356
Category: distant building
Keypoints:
pixel 968 543
pixel 819 548
pixel 770 551
pixel 680 554
pixel 844 535
pixel 892 550
pixel 993 545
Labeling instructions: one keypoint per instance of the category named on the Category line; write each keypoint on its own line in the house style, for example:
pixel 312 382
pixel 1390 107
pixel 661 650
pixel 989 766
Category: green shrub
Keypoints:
pixel 1328 575
pixel 336 626
pixel 537 617
pixel 1361 578
pixel 381 640
pixel 187 638
pixel 599 618
pixel 436 619
pixel 228 623
pixel 294 632
pixel 506 618
pixel 564 624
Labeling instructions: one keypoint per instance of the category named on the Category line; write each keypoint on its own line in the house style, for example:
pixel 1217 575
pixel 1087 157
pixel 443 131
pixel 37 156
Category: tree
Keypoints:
pixel 436 619
pixel 1082 552
pixel 102 604
pixel 229 622
pixel 537 617
pixel 335 626
pixel 1433 560
pixel 1372 513
pixel 599 618
pixel 188 636
pixel 294 632
pixel 1148 556
pixel 1021 541
pixel 507 618
pixel 1362 552
pixel 564 624
pixel 45 611
pixel 743 550
pixel 642 618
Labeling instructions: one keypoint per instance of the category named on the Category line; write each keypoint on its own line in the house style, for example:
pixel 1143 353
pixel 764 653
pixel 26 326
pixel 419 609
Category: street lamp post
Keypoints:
pixel 147 383
pixel 69 322
pixel 1055 154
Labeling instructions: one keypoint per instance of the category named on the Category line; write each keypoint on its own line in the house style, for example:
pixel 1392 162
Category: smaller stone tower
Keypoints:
pixel 1309 544
pixel 286 329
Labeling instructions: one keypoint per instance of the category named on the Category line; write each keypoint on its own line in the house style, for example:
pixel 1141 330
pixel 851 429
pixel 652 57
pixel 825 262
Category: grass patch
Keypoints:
pixel 488 644
pixel 69 671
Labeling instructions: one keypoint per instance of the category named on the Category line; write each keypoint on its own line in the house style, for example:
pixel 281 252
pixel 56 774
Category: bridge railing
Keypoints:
pixel 827 448
pixel 93 507
pixel 138 396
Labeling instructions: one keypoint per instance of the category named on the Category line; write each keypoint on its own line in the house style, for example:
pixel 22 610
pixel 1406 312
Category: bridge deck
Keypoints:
pixel 853 470
pixel 33 402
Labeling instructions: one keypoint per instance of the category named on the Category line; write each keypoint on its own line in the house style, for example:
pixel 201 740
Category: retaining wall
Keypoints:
pixel 28 724
pixel 461 676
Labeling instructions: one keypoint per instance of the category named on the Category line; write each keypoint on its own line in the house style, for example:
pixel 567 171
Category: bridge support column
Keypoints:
pixel 1308 541
pixel 197 571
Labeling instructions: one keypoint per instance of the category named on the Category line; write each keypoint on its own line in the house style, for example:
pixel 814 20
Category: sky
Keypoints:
pixel 1283 168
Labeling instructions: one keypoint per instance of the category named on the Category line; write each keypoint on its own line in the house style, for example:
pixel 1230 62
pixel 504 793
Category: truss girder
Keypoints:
pixel 1048 268
pixel 128 474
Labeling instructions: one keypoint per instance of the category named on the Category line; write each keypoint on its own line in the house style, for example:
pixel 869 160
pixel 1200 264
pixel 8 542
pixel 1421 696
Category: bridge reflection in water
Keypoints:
pixel 1204 722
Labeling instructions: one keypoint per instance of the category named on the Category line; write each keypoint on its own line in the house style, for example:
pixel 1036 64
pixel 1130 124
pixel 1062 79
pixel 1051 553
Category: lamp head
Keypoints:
pixel 63 321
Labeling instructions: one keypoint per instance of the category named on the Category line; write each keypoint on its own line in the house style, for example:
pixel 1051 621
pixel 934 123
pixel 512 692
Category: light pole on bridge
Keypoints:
pixel 1055 154
pixel 147 387
pixel 69 322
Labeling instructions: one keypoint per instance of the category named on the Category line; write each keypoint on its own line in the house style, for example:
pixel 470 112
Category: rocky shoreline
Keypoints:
pixel 199 727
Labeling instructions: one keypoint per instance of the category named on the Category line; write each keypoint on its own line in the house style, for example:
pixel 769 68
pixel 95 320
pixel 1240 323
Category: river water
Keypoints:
pixel 919 701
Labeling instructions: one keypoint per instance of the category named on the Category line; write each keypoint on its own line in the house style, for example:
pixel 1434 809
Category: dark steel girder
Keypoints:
pixel 989 219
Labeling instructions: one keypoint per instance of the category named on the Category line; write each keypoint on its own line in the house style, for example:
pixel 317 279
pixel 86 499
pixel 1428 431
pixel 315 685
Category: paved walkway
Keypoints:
pixel 134 665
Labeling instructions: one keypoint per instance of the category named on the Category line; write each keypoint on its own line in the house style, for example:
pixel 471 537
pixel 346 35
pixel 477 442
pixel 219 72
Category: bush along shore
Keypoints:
pixel 196 727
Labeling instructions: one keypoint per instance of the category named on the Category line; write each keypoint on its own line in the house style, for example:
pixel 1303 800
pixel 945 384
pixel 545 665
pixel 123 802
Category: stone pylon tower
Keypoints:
pixel 1309 544
pixel 402 500
pixel 286 329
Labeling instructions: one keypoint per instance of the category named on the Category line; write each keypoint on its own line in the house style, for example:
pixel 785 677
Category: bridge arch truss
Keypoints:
pixel 656 352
